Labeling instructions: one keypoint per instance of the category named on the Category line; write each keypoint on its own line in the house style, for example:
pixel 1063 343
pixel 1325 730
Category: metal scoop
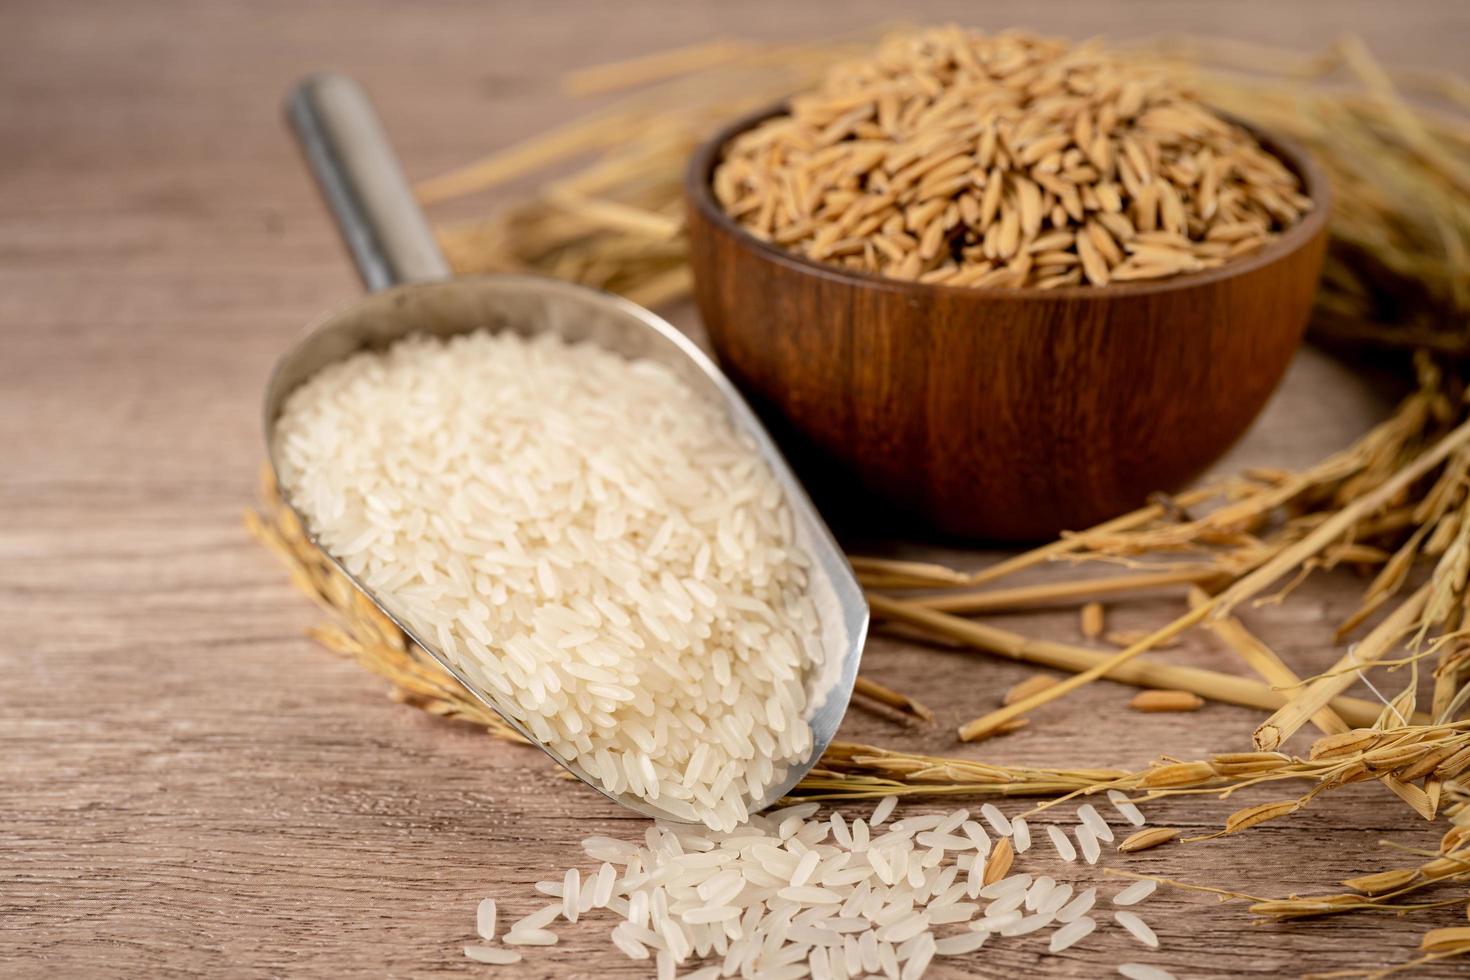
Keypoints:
pixel 412 292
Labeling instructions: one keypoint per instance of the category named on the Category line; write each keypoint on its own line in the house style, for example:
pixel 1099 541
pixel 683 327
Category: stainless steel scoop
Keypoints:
pixel 412 292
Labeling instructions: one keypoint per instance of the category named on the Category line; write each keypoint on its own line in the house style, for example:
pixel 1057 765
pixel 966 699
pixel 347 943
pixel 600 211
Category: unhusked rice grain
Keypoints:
pixel 592 542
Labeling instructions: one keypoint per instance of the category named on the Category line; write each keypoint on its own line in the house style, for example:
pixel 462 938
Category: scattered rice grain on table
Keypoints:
pixel 785 894
pixel 1136 892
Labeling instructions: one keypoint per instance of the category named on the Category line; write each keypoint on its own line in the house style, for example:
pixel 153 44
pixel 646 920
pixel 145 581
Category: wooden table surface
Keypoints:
pixel 187 784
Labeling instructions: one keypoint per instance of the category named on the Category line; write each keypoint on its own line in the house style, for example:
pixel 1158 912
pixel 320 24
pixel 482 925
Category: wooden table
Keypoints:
pixel 189 785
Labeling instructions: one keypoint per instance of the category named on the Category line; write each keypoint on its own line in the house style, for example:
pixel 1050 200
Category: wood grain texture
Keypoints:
pixel 187 784
pixel 1002 414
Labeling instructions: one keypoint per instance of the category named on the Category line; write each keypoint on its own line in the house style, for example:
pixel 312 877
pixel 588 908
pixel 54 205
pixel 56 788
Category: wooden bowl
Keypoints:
pixel 1003 413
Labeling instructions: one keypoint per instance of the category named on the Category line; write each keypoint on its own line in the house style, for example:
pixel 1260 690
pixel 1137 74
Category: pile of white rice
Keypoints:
pixel 587 538
pixel 788 896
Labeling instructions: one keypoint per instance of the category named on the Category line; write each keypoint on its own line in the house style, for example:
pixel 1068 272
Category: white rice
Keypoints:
pixel 787 896
pixel 571 894
pixel 587 538
pixel 1142 971
pixel 1078 906
pixel 536 920
pixel 1054 902
pixel 1126 808
pixel 1009 902
pixel 1071 934
pixel 1020 835
pixel 1061 842
pixel 956 912
pixel 977 835
pixel 602 888
pixel 485 919
pixel 1039 892
pixel 919 957
pixel 1136 892
pixel 1087 842
pixel 1029 924
pixel 883 810
pixel 998 923
pixel 996 819
pixel 1011 885
pixel 1138 928
pixel 961 944
pixel 1095 822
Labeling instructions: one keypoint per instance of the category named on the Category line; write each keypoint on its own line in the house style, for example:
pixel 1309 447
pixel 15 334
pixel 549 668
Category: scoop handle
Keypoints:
pixel 360 179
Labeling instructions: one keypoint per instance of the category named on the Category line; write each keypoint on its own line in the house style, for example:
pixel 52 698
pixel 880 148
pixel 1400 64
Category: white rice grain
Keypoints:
pixel 602 888
pixel 1138 928
pixel 1087 842
pixel 1039 892
pixel 961 943
pixel 1020 835
pixel 571 894
pixel 1071 934
pixel 1078 906
pixel 1027 925
pixel 1095 822
pixel 776 900
pixel 1061 842
pixel 996 819
pixel 1126 808
pixel 1136 892
pixel 1054 903
pixel 492 954
pixel 539 919
pixel 919 957
pixel 485 919
pixel 1010 885
pixel 978 837
pixel 537 509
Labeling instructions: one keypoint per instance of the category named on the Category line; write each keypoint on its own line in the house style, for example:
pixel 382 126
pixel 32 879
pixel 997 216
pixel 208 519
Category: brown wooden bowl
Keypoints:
pixel 1002 413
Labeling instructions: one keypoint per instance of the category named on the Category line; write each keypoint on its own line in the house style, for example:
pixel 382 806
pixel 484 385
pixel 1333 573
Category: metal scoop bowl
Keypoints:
pixel 412 292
